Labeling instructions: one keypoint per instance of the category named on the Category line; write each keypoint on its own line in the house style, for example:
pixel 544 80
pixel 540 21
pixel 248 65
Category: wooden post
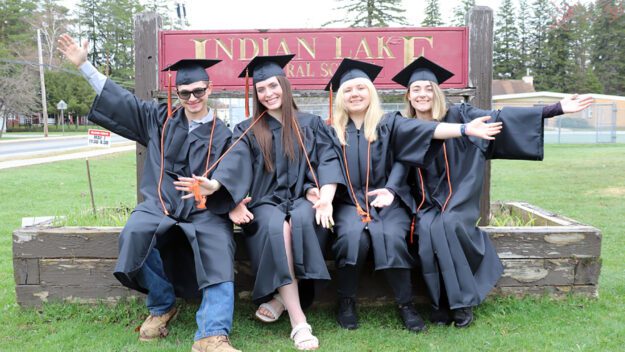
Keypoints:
pixel 480 23
pixel 147 25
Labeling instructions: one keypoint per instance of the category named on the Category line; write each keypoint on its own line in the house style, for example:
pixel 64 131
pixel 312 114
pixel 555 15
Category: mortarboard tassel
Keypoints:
pixel 247 94
pixel 169 111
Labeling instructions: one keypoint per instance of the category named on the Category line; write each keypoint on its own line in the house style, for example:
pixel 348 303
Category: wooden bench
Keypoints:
pixel 557 256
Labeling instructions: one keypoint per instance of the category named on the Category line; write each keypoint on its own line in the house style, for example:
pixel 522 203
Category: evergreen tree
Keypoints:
pixel 608 30
pixel 460 11
pixel 540 21
pixel 506 57
pixel 558 68
pixel 524 45
pixel 432 15
pixel 371 13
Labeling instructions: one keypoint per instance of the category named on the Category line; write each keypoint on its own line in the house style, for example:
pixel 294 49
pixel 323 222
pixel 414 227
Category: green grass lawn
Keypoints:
pixel 584 182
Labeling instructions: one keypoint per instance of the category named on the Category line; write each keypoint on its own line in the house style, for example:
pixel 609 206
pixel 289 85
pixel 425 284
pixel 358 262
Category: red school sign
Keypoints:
pixel 318 52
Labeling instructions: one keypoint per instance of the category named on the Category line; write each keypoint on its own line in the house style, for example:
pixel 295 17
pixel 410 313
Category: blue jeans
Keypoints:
pixel 214 317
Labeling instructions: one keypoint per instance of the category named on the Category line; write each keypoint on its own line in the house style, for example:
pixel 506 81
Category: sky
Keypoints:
pixel 274 14
pixel 281 14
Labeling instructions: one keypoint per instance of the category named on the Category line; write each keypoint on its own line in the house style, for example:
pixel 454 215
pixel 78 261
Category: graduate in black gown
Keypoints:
pixel 171 246
pixel 283 156
pixel 373 207
pixel 460 265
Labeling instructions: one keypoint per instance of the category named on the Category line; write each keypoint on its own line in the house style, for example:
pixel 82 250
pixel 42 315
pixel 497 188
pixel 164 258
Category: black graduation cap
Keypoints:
pixel 191 70
pixel 350 69
pixel 422 69
pixel 263 67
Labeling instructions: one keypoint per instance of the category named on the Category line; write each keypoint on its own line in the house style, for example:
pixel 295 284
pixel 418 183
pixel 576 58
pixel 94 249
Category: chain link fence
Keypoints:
pixel 597 124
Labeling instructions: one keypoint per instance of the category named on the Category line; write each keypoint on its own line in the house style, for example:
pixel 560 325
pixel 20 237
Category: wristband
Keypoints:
pixel 463 130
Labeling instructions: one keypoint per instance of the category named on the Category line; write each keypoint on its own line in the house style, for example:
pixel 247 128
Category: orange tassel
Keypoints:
pixel 169 110
pixel 247 94
pixel 414 218
pixel 200 200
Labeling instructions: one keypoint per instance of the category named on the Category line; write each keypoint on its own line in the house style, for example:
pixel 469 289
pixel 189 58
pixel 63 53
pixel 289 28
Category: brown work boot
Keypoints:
pixel 213 344
pixel 155 327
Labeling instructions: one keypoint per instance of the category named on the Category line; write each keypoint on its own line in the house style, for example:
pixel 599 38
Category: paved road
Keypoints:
pixel 23 148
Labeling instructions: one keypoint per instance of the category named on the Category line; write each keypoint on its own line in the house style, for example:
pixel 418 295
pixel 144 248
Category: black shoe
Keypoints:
pixel 347 317
pixel 463 317
pixel 412 320
pixel 441 316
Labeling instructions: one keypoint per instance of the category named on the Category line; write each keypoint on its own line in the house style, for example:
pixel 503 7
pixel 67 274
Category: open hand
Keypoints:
pixel 383 197
pixel 207 187
pixel 313 195
pixel 481 129
pixel 323 215
pixel 75 53
pixel 240 214
pixel 576 103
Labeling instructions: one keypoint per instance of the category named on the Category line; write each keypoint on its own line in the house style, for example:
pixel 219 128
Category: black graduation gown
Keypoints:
pixel 389 225
pixel 202 253
pixel 278 196
pixel 449 242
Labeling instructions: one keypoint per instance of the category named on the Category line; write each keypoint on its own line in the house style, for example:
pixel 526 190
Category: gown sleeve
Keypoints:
pixel 521 137
pixel 397 182
pixel 412 141
pixel 234 172
pixel 119 111
pixel 329 164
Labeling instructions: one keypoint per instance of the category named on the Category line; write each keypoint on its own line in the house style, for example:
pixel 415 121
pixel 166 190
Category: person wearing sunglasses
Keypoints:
pixel 171 246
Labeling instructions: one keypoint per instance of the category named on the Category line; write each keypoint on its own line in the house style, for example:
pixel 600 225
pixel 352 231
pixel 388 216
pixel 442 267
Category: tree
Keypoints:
pixel 52 20
pixel 506 57
pixel 540 21
pixel 432 15
pixel 608 30
pixel 523 41
pixel 71 88
pixel 372 13
pixel 460 11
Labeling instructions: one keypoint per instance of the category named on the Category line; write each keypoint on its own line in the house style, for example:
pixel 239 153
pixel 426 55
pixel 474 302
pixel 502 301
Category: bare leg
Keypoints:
pixel 289 293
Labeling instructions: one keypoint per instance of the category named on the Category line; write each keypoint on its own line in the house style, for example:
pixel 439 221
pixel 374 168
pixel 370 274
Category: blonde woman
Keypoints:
pixel 372 208
pixel 460 264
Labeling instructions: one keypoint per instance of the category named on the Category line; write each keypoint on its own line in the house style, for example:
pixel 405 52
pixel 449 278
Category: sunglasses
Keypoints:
pixel 197 92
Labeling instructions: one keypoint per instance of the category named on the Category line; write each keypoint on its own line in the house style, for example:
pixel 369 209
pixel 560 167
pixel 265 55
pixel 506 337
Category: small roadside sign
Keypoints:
pixel 99 138
pixel 62 105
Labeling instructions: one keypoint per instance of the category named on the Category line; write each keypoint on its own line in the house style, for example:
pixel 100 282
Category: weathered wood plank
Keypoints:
pixel 590 291
pixel 479 20
pixel 26 271
pixel 66 242
pixel 587 271
pixel 546 241
pixel 147 25
pixel 78 272
pixel 538 272
pixel 35 295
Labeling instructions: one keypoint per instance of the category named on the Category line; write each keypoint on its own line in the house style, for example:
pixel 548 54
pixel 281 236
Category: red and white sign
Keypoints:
pixel 99 138
pixel 318 52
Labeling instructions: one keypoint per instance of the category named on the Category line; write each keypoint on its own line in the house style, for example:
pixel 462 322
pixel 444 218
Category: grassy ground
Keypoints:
pixel 586 183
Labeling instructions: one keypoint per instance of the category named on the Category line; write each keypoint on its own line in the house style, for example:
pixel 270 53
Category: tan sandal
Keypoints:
pixel 303 338
pixel 276 313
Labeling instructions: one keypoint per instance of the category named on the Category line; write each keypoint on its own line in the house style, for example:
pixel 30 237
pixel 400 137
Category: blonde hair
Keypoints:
pixel 372 117
pixel 439 104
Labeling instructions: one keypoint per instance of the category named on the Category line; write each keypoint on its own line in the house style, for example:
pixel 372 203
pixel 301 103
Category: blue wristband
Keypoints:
pixel 463 130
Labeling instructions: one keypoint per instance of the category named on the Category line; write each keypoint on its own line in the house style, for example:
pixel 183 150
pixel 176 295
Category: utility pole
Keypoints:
pixel 43 86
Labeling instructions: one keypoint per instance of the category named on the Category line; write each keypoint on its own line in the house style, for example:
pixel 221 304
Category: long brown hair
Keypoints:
pixel 261 129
